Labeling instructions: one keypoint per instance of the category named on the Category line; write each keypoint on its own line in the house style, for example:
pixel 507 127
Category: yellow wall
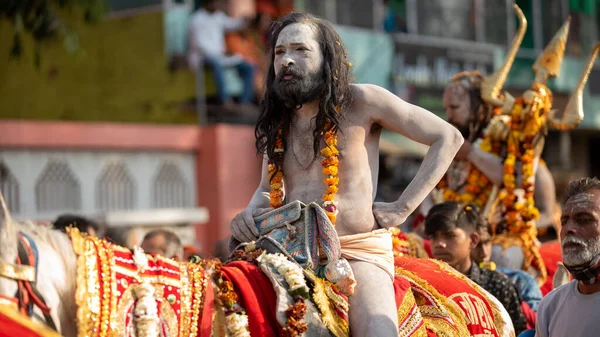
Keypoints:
pixel 119 74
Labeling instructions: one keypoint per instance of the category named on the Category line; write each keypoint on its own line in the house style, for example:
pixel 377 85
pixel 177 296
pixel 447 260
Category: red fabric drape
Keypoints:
pixel 255 294
pixel 551 254
pixel 13 323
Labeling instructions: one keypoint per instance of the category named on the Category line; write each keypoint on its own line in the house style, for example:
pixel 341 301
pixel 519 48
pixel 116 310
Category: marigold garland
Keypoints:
pixel 330 166
pixel 520 212
pixel 295 326
pixel 236 320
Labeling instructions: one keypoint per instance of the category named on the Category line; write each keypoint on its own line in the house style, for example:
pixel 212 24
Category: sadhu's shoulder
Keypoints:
pixel 370 94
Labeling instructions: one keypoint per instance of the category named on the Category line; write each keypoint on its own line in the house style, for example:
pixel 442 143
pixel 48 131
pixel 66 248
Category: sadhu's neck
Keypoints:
pixel 308 110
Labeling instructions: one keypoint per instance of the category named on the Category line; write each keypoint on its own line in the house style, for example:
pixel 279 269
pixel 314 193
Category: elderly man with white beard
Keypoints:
pixel 572 309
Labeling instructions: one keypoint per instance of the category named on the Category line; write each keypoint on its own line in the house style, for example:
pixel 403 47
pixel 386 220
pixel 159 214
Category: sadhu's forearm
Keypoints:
pixel 434 166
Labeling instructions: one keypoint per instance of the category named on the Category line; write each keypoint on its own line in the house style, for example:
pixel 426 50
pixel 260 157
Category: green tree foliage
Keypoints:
pixel 45 20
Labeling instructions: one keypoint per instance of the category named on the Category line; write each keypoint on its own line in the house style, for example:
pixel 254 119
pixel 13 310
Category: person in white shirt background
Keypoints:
pixel 207 30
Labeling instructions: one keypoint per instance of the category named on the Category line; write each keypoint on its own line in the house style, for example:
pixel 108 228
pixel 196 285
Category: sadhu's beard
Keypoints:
pixel 577 251
pixel 303 87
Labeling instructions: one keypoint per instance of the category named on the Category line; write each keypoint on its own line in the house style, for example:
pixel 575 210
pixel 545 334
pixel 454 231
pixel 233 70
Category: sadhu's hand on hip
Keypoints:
pixel 388 214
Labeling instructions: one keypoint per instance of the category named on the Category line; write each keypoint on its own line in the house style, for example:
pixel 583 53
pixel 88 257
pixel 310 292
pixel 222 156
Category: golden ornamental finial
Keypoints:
pixel 491 85
pixel 573 114
pixel 548 63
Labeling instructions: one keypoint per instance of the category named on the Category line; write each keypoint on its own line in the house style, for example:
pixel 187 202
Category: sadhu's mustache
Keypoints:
pixel 290 71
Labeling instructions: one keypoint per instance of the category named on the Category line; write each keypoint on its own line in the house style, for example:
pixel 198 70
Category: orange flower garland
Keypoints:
pixel 276 177
pixel 330 169
pixel 520 212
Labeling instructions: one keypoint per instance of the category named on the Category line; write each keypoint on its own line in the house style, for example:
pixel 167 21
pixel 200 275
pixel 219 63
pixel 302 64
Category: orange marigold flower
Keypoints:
pixel 332 181
pixel 327 152
pixel 331 190
pixel 328 197
pixel 331 161
pixel 276 194
pixel 276 186
pixel 331 217
pixel 509 169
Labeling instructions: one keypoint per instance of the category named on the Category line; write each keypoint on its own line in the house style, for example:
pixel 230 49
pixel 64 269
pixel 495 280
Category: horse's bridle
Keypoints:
pixel 24 273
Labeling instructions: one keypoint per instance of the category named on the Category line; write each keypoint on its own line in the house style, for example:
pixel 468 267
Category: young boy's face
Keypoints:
pixel 483 252
pixel 451 246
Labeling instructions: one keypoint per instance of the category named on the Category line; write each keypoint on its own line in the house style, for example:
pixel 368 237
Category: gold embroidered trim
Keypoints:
pixel 498 320
pixel 87 296
pixel 166 312
pixel 197 279
pixel 410 321
pixel 154 279
pixel 186 301
pixel 336 325
pixel 446 319
pixel 125 303
pixel 106 288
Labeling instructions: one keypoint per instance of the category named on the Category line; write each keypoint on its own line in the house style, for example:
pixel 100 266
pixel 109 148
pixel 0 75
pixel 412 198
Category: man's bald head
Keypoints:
pixel 163 242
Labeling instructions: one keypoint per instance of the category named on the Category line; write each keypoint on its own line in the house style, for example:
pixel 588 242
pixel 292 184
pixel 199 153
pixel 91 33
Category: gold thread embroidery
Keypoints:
pixel 195 314
pixel 169 317
pixel 185 298
pixel 125 304
pixel 87 296
pixel 335 324
pixel 498 320
pixel 445 320
pixel 153 279
pixel 106 287
pixel 413 325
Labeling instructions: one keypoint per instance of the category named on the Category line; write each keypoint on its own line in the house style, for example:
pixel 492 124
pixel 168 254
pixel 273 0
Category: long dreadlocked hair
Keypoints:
pixel 336 97
pixel 481 113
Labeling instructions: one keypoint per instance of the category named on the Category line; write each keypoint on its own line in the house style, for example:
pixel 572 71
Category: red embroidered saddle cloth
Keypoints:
pixel 107 277
pixel 433 297
pixel 13 323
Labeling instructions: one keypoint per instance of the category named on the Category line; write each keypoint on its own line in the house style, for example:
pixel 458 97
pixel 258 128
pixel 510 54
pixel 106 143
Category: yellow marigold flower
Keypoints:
pixel 502 195
pixel 467 197
pixel 333 170
pixel 331 217
pixel 276 185
pixel 328 197
pixel 327 152
pixel 331 190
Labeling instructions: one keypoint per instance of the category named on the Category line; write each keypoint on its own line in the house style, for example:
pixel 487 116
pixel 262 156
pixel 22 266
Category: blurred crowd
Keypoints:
pixel 221 36
pixel 157 241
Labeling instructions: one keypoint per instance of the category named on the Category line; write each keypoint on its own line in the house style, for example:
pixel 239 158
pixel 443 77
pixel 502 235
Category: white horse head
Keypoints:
pixel 55 274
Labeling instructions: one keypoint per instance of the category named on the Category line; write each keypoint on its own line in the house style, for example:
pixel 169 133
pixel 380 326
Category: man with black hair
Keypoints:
pixel 572 309
pixel 70 220
pixel 454 229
